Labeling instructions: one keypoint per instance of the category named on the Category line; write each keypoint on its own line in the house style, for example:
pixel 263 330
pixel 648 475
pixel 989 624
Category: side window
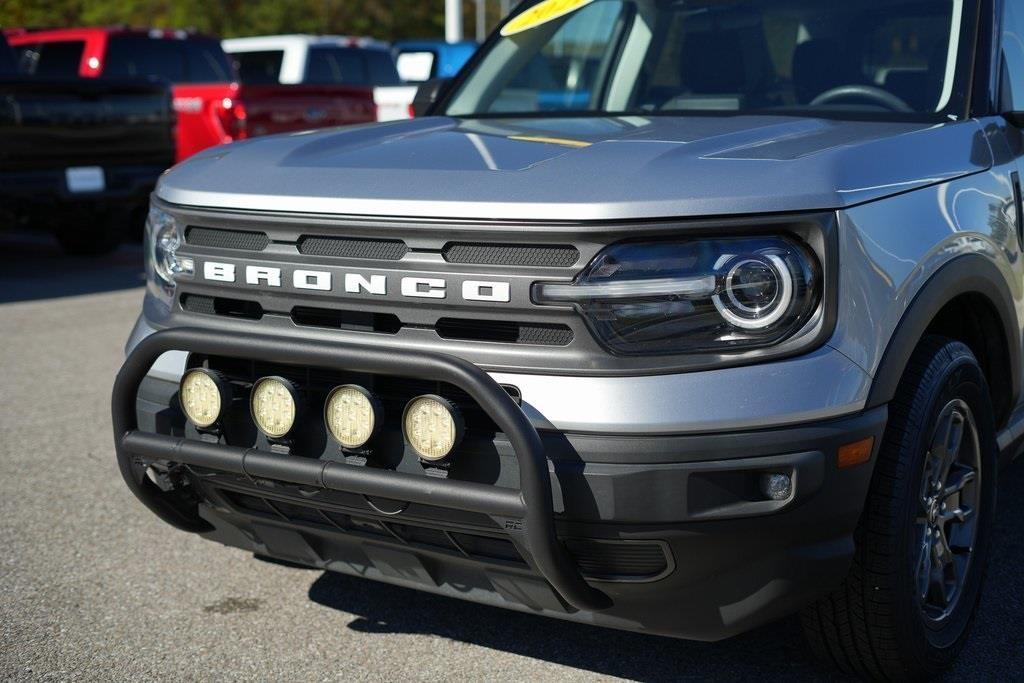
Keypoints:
pixel 206 62
pixel 333 66
pixel 1012 71
pixel 381 67
pixel 135 56
pixel 51 60
pixel 259 68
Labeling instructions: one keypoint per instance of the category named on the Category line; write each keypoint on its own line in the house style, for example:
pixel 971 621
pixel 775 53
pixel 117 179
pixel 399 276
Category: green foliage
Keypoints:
pixel 386 19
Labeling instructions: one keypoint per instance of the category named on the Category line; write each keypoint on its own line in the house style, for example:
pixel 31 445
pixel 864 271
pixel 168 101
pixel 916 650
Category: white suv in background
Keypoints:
pixel 325 60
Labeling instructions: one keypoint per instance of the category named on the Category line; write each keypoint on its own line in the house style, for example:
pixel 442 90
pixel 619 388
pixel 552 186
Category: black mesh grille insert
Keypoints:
pixel 511 255
pixel 346 247
pixel 625 561
pixel 504 331
pixel 230 308
pixel 227 239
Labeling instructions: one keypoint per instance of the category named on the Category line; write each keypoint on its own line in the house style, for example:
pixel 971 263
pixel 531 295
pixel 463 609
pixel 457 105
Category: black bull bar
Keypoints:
pixel 529 512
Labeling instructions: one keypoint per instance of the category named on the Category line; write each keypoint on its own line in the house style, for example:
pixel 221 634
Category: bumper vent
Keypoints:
pixel 620 561
pixel 228 308
pixel 227 239
pixel 511 255
pixel 505 332
pixel 357 321
pixel 345 247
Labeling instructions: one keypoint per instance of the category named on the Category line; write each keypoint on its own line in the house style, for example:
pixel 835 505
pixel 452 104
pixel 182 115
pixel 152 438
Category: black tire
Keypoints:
pixel 97 237
pixel 878 625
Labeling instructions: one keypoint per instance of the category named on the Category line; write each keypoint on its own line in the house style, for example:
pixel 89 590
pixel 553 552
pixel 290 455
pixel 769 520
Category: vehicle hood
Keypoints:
pixel 579 168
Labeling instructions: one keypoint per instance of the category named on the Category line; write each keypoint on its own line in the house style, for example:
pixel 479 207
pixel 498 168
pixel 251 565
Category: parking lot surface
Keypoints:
pixel 94 587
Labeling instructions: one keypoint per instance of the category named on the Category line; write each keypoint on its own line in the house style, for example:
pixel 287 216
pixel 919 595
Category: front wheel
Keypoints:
pixel 905 610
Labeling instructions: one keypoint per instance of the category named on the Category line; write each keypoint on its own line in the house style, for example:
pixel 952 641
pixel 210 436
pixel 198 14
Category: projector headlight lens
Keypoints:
pixel 433 427
pixel 758 292
pixel 203 395
pixel 274 405
pixel 352 415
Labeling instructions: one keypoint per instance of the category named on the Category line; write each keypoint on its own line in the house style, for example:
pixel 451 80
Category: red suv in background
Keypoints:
pixel 204 85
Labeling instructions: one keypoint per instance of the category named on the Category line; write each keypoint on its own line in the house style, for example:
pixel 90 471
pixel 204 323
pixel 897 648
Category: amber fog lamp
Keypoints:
pixel 433 427
pixel 275 405
pixel 203 395
pixel 352 415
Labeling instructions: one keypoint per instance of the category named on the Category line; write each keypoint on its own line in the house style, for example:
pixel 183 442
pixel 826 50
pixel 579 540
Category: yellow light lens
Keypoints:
pixel 273 406
pixel 201 398
pixel 351 416
pixel 432 427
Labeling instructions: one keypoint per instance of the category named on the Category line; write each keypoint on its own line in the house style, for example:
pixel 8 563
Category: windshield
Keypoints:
pixel 869 58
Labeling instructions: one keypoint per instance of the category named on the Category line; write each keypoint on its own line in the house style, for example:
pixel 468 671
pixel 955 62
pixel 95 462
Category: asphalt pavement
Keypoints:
pixel 94 587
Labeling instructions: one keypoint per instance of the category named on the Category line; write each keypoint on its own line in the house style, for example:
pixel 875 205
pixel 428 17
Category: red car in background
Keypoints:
pixel 204 87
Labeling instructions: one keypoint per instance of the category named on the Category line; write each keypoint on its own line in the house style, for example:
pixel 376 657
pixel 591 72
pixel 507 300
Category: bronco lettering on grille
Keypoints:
pixel 357 283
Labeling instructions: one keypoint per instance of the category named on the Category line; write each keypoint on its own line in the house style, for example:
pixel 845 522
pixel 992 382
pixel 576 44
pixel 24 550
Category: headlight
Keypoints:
pixel 696 296
pixel 163 239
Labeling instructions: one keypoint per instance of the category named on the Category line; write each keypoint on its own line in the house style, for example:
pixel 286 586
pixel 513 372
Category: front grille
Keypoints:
pixel 507 332
pixel 346 247
pixel 511 255
pixel 619 561
pixel 227 239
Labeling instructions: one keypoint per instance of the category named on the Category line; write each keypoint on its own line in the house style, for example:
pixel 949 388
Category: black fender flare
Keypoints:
pixel 968 274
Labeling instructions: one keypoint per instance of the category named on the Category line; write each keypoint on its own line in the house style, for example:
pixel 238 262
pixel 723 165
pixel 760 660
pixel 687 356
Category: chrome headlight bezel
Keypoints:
pixel 814 235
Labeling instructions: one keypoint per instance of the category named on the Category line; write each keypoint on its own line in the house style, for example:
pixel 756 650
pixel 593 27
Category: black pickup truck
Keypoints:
pixel 79 157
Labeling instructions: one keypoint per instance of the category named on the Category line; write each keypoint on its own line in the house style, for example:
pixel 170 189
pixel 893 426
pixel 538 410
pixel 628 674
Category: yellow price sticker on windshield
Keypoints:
pixel 542 13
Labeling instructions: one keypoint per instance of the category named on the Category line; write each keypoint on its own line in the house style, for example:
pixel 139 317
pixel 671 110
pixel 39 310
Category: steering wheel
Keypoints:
pixel 870 92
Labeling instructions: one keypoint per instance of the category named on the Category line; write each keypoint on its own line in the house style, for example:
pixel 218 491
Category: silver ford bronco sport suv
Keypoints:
pixel 675 316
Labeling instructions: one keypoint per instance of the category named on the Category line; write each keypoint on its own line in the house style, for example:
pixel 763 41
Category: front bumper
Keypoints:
pixel 583 512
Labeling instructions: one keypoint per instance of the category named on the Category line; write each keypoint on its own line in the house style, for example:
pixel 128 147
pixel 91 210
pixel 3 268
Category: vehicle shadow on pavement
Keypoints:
pixel 776 651
pixel 32 267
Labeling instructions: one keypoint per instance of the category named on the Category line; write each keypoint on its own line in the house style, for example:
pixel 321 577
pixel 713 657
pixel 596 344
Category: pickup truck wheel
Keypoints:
pixel 98 237
pixel 906 607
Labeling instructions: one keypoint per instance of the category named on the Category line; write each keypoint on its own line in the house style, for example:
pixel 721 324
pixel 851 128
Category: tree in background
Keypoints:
pixel 385 19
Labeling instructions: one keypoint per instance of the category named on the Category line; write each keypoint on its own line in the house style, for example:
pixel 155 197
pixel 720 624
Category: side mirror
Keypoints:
pixel 428 94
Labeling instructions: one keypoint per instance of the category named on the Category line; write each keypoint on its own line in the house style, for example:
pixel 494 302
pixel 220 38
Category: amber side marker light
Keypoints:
pixel 856 453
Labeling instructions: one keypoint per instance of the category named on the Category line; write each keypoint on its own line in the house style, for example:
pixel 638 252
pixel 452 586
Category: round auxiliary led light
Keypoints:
pixel 352 415
pixel 433 427
pixel 758 292
pixel 274 404
pixel 203 395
